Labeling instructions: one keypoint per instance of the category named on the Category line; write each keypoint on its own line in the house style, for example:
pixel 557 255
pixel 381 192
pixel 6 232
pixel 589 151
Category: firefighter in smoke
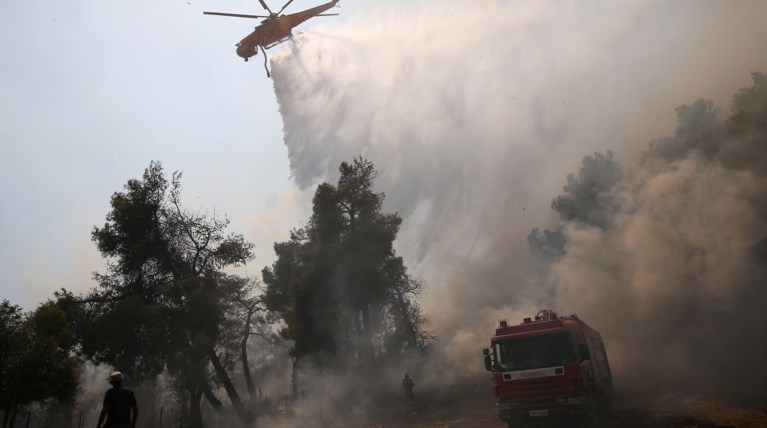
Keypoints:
pixel 120 409
pixel 407 384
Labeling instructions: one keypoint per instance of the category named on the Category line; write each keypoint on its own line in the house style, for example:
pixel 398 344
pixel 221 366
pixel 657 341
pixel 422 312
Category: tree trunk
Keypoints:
pixel 246 370
pixel 228 386
pixel 13 416
pixel 401 305
pixel 195 411
pixel 367 351
pixel 244 358
pixel 294 379
pixel 212 399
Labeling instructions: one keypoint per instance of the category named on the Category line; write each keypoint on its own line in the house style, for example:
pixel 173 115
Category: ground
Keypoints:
pixel 667 411
pixel 479 411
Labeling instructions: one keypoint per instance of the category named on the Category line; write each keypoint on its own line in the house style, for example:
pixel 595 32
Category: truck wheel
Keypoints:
pixel 594 418
pixel 606 409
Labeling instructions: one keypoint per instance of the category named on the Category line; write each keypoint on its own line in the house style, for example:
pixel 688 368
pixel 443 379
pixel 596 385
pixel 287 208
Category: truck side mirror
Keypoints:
pixel 488 363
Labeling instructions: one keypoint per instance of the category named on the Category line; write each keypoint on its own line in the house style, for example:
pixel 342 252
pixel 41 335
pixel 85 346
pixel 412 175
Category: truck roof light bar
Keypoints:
pixel 545 315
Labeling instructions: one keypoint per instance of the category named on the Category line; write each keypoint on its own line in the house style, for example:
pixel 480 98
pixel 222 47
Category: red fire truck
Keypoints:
pixel 549 368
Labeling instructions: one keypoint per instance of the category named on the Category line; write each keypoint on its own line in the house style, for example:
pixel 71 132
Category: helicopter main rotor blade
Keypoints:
pixel 265 6
pixel 235 15
pixel 327 14
pixel 283 7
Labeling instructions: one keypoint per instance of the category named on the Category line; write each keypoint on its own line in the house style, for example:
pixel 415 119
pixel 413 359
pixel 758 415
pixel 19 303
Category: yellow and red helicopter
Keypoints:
pixel 275 28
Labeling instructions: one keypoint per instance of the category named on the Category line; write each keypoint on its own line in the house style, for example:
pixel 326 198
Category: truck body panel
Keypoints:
pixel 550 367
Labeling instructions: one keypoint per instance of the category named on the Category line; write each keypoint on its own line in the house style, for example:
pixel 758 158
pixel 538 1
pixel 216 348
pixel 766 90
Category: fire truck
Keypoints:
pixel 549 369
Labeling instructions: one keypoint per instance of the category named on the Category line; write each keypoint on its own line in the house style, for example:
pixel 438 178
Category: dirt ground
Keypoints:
pixel 667 411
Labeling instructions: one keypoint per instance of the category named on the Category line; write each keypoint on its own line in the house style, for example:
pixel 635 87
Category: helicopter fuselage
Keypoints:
pixel 276 29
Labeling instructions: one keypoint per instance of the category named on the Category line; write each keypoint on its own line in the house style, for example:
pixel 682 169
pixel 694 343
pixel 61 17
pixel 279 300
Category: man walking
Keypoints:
pixel 120 408
pixel 407 384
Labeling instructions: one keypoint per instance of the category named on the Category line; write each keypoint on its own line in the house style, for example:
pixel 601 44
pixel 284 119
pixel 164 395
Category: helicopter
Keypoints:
pixel 274 29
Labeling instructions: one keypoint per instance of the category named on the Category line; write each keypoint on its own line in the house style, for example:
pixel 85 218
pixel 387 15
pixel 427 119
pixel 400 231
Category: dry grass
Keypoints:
pixel 662 411
pixel 667 411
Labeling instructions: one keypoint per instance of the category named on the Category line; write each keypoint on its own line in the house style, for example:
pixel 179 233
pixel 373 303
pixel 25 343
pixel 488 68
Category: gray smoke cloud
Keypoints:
pixel 683 259
pixel 474 116
pixel 156 398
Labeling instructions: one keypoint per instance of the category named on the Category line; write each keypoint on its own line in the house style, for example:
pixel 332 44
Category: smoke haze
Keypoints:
pixel 475 116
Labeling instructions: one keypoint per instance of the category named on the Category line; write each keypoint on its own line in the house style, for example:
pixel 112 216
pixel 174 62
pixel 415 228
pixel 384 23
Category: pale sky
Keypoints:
pixel 92 91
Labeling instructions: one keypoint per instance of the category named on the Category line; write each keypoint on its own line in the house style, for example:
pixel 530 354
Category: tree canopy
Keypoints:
pixel 337 283
pixel 160 302
pixel 37 361
pixel 588 199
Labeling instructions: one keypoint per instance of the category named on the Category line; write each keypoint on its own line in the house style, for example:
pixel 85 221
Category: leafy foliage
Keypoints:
pixel 160 302
pixel 338 285
pixel 547 244
pixel 37 361
pixel 737 143
pixel 587 197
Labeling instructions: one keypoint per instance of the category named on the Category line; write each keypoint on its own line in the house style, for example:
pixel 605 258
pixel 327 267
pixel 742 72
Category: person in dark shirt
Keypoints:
pixel 120 408
pixel 407 384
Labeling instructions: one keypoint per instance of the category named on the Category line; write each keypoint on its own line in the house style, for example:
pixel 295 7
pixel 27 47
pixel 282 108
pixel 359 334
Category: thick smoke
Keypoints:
pixel 475 116
pixel 157 399
pixel 683 258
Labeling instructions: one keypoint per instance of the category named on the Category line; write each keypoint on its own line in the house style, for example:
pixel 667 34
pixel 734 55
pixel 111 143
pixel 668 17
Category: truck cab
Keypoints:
pixel 549 368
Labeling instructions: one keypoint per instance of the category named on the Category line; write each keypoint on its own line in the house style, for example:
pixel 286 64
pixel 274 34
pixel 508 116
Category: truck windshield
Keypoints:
pixel 536 352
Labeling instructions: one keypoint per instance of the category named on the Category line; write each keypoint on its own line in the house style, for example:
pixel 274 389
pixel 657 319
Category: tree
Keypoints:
pixel 338 285
pixel 697 130
pixel 160 301
pixel 11 341
pixel 587 197
pixel 37 361
pixel 246 316
pixel 547 244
